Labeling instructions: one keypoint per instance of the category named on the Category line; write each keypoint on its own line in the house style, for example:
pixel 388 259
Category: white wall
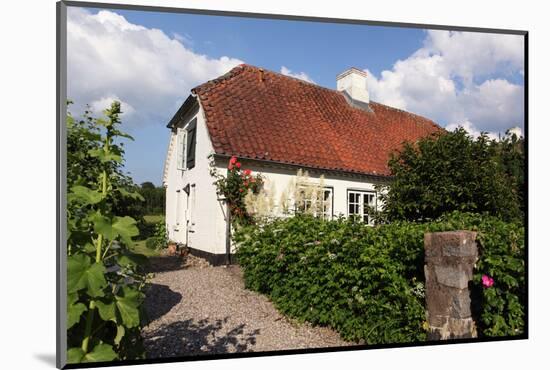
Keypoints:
pixel 206 226
pixel 339 183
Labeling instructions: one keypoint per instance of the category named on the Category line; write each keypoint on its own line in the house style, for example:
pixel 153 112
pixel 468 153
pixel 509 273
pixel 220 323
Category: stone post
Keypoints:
pixel 449 262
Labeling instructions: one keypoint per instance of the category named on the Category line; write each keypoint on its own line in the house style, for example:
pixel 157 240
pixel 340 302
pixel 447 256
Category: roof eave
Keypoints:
pixel 187 104
pixel 379 177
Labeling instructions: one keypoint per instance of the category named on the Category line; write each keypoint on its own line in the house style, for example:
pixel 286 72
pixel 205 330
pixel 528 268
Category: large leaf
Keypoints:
pixel 123 227
pixel 132 259
pixel 74 309
pixel 128 307
pixel 107 310
pixel 102 352
pixel 105 157
pixel 84 195
pixel 82 274
pixel 75 355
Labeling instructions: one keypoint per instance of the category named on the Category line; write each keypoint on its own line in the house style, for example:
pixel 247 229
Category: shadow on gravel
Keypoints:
pixel 164 264
pixel 160 300
pixel 190 337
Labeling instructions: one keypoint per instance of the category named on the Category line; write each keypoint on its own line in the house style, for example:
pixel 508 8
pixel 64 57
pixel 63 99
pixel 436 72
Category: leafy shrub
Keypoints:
pixel 368 282
pixel 453 172
pixel 104 286
pixel 159 239
pixel 234 186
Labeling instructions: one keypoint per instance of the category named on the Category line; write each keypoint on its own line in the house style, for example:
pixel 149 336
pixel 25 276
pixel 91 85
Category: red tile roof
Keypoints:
pixel 258 114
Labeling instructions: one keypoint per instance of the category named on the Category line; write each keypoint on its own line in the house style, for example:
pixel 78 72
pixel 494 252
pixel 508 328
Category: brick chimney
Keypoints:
pixel 353 83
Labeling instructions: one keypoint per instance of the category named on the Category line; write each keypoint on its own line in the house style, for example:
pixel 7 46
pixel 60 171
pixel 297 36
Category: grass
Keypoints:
pixel 140 248
pixel 153 219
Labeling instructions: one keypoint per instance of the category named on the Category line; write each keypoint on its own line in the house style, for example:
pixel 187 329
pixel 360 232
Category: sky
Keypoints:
pixel 151 60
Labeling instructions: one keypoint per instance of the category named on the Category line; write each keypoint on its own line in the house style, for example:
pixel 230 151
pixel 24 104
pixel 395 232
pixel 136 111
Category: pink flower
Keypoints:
pixel 233 160
pixel 247 172
pixel 230 166
pixel 238 164
pixel 487 281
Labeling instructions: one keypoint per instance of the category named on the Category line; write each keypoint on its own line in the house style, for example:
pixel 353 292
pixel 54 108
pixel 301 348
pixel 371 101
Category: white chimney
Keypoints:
pixel 353 82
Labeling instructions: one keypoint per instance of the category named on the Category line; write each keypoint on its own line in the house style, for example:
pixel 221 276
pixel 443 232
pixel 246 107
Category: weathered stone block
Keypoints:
pixel 450 258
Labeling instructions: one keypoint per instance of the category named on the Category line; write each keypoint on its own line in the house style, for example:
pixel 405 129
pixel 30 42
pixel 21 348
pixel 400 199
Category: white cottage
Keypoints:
pixel 276 125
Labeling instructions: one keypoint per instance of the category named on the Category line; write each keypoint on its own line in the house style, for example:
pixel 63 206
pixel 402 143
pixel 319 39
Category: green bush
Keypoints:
pixel 453 172
pixel 368 282
pixel 159 239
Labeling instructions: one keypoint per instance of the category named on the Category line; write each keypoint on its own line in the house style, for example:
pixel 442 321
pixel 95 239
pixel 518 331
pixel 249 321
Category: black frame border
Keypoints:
pixel 61 89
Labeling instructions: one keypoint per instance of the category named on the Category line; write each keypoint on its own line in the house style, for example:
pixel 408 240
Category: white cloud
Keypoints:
pixel 300 75
pixel 453 79
pixel 152 73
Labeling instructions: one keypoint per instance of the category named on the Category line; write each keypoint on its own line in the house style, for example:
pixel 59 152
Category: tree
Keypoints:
pixel 451 171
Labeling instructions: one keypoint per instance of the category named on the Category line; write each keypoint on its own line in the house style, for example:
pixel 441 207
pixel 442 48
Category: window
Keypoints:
pixel 359 202
pixel 181 146
pixel 308 204
pixel 186 144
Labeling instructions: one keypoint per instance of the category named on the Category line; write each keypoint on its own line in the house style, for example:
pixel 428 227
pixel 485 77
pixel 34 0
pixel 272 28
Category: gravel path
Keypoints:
pixel 203 310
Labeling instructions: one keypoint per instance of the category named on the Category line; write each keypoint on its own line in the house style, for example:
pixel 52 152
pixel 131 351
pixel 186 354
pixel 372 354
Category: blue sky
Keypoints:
pixel 150 61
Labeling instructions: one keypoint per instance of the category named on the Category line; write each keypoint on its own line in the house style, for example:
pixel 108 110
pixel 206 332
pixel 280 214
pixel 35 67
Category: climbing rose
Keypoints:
pixel 487 281
pixel 233 160
pixel 230 166
pixel 247 172
pixel 238 164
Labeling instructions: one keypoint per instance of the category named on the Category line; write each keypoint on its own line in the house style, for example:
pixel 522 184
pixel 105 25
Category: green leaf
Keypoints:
pixel 128 307
pixel 101 352
pixel 125 227
pixel 84 275
pixel 75 355
pixel 130 194
pixel 84 195
pixel 105 157
pixel 120 331
pixel 133 259
pixel 74 311
pixel 107 311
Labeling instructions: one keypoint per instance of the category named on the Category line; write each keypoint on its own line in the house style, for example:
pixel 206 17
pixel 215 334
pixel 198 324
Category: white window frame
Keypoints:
pixel 327 213
pixel 359 205
pixel 182 148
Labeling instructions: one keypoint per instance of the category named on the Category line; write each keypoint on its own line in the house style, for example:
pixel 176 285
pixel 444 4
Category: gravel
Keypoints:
pixel 196 309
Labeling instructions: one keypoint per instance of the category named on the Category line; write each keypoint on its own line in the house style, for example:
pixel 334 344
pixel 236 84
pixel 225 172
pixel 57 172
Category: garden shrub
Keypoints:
pixel 368 282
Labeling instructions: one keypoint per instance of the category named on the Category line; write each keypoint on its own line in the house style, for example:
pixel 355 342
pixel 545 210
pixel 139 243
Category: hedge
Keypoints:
pixel 368 282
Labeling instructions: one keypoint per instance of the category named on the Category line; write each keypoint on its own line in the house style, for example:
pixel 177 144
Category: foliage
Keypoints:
pixel 159 239
pixel 453 172
pixel 84 166
pixel 234 186
pixel 368 282
pixel 155 198
pixel 104 287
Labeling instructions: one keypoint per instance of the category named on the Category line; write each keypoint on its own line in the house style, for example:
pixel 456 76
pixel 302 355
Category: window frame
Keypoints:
pixel 182 134
pixel 307 203
pixel 361 203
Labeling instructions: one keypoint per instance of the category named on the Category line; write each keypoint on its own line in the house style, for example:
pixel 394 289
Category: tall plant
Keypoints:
pixel 104 288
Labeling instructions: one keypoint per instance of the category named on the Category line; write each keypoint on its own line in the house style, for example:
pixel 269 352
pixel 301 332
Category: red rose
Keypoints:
pixel 233 160
pixel 245 183
pixel 230 166
pixel 241 190
pixel 238 164
pixel 247 172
